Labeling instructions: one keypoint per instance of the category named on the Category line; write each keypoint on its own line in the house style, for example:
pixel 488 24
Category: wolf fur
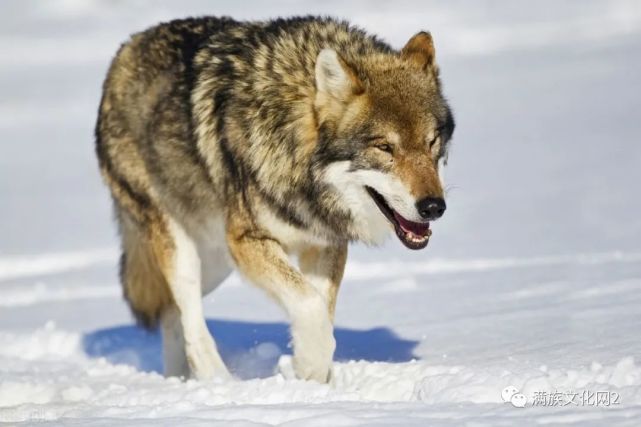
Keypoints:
pixel 237 145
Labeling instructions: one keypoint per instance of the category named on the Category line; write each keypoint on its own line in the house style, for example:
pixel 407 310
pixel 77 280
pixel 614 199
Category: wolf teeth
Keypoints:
pixel 417 239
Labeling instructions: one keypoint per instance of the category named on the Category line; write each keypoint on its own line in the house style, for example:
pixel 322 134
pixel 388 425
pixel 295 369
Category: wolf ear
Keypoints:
pixel 335 77
pixel 420 52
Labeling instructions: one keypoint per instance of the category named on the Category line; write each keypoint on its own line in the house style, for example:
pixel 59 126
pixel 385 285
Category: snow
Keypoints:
pixel 532 279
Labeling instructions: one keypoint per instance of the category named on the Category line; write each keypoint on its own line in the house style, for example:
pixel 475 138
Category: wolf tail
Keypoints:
pixel 145 265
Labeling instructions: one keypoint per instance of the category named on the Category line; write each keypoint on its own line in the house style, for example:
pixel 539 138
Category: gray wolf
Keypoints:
pixel 243 145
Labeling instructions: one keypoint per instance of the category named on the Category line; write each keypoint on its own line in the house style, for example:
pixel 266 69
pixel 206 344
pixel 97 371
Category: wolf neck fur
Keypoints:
pixel 255 114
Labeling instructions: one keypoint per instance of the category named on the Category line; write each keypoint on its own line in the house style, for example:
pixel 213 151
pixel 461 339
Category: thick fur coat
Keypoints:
pixel 231 144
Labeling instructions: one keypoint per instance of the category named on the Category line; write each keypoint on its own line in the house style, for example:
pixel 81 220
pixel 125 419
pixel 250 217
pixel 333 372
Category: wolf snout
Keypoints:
pixel 431 208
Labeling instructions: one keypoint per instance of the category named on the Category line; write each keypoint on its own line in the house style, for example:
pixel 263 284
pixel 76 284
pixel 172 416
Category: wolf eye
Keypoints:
pixel 434 141
pixel 385 147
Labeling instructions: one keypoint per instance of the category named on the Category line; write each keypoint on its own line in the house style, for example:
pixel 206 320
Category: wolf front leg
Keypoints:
pixel 324 267
pixel 263 261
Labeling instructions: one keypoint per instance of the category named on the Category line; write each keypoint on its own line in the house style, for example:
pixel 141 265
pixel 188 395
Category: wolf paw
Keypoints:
pixel 319 372
pixel 313 352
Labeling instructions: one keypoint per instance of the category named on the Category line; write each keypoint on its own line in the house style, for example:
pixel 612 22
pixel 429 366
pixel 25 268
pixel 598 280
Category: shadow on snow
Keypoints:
pixel 250 350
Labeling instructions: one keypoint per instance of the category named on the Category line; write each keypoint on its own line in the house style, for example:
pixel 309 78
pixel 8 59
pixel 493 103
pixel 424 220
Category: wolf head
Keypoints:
pixel 384 133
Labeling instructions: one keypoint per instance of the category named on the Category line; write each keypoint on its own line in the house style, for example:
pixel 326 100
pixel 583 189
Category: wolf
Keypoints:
pixel 265 147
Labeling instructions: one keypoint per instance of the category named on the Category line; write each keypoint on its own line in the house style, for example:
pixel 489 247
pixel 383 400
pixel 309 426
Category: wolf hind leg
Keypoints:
pixel 144 269
pixel 173 342
pixel 185 283
pixel 161 277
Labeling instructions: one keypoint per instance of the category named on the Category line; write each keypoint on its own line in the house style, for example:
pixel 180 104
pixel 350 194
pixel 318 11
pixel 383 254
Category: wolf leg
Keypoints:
pixel 264 262
pixel 323 267
pixel 200 349
pixel 173 344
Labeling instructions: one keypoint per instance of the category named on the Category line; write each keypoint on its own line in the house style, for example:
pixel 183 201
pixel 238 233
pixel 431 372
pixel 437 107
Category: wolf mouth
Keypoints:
pixel 414 235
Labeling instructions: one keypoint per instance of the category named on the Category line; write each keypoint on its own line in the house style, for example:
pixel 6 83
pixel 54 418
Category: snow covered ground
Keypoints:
pixel 531 280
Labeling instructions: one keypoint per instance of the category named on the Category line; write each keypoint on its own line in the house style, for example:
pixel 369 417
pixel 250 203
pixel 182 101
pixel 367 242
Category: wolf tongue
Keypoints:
pixel 410 226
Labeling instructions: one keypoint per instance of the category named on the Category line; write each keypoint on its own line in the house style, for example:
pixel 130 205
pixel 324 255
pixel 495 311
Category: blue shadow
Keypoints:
pixel 250 350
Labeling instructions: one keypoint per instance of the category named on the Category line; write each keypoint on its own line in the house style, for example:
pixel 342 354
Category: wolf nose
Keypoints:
pixel 431 208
